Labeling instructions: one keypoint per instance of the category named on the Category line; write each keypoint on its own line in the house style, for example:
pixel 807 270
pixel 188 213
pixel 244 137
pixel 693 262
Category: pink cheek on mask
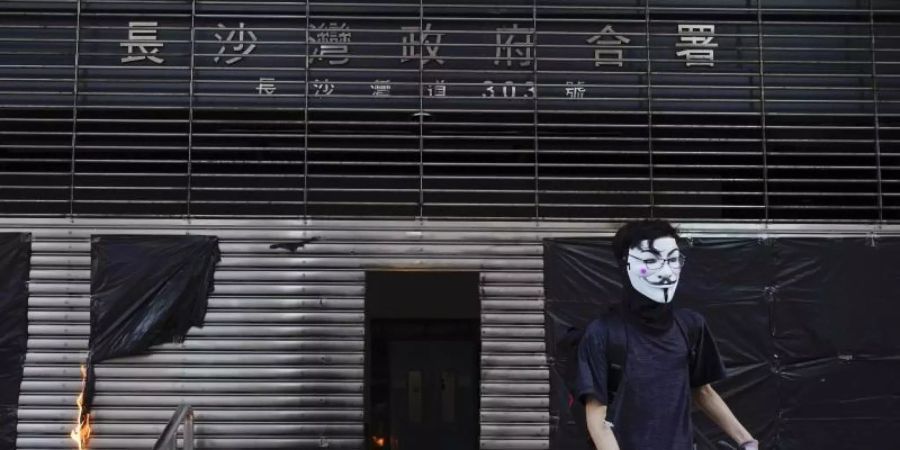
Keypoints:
pixel 643 271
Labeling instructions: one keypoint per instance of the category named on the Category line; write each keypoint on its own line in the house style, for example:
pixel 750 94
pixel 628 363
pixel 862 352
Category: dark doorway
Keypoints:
pixel 422 361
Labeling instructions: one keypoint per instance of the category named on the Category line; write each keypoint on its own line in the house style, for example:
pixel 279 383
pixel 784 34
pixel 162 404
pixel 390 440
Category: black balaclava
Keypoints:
pixel 641 310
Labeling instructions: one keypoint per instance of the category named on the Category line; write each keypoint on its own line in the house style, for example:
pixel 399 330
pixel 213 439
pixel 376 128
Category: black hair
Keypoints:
pixel 633 233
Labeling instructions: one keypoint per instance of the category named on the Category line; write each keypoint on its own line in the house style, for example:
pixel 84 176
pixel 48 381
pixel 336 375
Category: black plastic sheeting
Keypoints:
pixel 146 290
pixel 15 260
pixel 809 330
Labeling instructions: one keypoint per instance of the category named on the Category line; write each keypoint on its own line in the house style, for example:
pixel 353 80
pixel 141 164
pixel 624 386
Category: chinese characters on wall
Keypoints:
pixel 331 44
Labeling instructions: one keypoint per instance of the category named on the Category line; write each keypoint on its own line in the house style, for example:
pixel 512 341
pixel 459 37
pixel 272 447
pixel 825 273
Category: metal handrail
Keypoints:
pixel 168 438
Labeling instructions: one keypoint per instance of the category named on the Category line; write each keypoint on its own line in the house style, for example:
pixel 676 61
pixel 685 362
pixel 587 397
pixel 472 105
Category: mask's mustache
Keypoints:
pixel 663 282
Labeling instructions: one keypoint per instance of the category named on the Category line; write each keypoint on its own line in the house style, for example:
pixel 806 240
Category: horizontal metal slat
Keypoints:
pixel 202 428
pixel 492 402
pixel 249 303
pixel 219 318
pixel 512 305
pixel 171 400
pixel 191 386
pixel 201 442
pixel 220 288
pixel 519 374
pixel 530 277
pixel 494 346
pixel 525 332
pixel 517 444
pixel 208 415
pixel 507 318
pixel 245 331
pixel 515 388
pixel 346 262
pixel 220 372
pixel 339 249
pixel 523 232
pixel 515 431
pixel 193 358
pixel 517 360
pixel 515 416
pixel 534 291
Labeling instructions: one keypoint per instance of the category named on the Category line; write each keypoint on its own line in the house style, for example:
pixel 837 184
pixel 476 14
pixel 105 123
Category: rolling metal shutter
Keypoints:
pixel 279 363
pixel 510 113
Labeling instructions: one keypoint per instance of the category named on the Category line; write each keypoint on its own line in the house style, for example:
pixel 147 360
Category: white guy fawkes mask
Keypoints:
pixel 654 268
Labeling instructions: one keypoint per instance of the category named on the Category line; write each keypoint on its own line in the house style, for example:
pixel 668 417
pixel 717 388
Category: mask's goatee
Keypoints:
pixel 651 315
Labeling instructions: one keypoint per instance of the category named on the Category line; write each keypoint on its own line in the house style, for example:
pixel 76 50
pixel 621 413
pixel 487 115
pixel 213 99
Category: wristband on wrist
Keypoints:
pixel 752 444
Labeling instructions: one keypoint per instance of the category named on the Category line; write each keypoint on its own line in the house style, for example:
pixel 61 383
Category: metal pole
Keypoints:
pixel 421 208
pixel 649 111
pixel 762 112
pixel 875 101
pixel 189 431
pixel 534 71
pixel 74 108
pixel 190 149
pixel 306 118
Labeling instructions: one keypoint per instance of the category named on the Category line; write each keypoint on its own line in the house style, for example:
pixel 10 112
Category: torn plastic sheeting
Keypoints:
pixel 836 297
pixel 145 290
pixel 581 284
pixel 839 387
pixel 840 403
pixel 728 281
pixel 844 433
pixel 583 271
pixel 15 259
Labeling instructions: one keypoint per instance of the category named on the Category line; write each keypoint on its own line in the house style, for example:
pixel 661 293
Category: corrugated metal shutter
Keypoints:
pixel 514 376
pixel 280 362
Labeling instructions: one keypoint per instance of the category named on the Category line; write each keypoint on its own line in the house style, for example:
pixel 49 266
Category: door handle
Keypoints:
pixel 414 395
pixel 448 396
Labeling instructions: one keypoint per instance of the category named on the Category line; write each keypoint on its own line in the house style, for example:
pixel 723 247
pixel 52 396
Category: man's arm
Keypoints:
pixel 707 399
pixel 600 431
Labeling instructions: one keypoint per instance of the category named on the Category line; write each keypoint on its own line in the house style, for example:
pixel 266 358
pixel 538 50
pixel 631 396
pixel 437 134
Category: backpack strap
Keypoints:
pixel 690 336
pixel 616 357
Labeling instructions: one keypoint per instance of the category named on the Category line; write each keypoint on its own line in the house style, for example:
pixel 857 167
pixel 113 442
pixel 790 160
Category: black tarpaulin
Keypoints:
pixel 807 328
pixel 581 282
pixel 15 257
pixel 837 338
pixel 145 290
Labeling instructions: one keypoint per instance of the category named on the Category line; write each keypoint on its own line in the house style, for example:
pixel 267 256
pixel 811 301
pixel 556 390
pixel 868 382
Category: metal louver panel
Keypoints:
pixel 428 108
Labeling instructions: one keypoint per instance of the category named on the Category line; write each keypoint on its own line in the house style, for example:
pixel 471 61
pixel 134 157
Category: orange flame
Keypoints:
pixel 378 441
pixel 82 432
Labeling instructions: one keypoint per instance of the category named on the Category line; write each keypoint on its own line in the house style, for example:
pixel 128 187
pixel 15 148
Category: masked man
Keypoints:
pixel 669 355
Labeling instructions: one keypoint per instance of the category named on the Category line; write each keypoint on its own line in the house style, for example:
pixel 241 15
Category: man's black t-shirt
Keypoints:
pixel 654 411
